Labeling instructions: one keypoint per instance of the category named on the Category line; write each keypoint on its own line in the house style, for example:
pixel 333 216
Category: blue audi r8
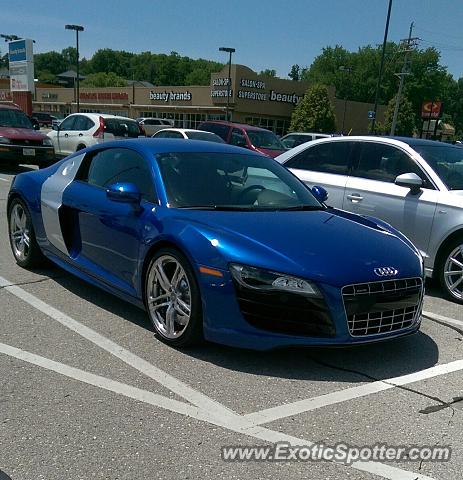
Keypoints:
pixel 217 242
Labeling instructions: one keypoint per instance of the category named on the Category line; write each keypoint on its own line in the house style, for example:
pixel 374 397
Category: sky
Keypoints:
pixel 265 33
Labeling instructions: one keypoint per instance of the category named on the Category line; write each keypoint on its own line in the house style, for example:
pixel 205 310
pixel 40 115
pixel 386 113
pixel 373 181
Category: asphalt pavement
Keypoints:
pixel 87 391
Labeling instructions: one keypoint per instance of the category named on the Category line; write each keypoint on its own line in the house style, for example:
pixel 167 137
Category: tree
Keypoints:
pixel 53 62
pixel 406 118
pixel 314 113
pixel 268 73
pixel 295 73
pixel 70 56
pixel 102 79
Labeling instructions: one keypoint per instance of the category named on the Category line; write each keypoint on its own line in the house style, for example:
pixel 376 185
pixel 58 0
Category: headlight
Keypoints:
pixel 258 279
pixel 5 140
pixel 47 142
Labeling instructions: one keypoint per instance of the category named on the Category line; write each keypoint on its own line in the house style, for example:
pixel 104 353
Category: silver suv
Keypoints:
pixel 415 185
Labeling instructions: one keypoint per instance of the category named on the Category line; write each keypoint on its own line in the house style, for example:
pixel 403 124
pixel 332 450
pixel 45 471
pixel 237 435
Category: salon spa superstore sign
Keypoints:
pixel 244 93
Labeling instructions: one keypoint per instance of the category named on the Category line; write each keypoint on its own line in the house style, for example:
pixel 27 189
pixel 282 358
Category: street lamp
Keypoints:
pixel 77 28
pixel 343 68
pixel 10 38
pixel 230 51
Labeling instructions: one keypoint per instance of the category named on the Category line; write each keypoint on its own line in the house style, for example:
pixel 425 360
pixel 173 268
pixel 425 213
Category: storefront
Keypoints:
pixel 263 101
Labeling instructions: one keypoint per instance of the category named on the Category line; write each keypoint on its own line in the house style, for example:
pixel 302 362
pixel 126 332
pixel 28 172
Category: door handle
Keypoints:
pixel 66 135
pixel 355 197
pixel 81 134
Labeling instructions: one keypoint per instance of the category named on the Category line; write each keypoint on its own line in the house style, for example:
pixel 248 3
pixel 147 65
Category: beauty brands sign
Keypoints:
pixel 185 96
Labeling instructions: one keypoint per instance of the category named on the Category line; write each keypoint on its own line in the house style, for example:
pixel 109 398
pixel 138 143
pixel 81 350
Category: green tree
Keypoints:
pixel 314 113
pixel 52 62
pixel 406 118
pixel 295 73
pixel 268 73
pixel 102 79
pixel 70 56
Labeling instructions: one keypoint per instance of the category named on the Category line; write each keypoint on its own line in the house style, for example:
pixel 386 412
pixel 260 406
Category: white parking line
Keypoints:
pixel 309 404
pixel 4 180
pixel 237 425
pixel 441 318
pixel 161 377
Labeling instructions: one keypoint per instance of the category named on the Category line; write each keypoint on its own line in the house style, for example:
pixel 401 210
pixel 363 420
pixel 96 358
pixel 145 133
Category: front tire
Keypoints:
pixel 23 243
pixel 173 300
pixel 451 270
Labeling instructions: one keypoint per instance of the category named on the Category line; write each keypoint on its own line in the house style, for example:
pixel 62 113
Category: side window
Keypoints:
pixel 238 138
pixel 82 123
pixel 330 157
pixel 162 135
pixel 384 163
pixel 220 130
pixel 176 135
pixel 114 165
pixel 67 123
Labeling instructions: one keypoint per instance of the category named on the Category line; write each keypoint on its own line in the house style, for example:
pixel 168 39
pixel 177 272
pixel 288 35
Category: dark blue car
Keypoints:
pixel 217 242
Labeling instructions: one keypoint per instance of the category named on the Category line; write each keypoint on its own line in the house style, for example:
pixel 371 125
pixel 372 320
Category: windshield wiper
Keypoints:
pixel 305 208
pixel 218 207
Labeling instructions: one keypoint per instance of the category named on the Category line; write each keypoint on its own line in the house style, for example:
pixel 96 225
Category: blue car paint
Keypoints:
pixel 330 247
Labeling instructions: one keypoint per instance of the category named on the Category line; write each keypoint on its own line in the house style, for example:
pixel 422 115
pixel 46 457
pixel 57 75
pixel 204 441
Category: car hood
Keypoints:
pixel 329 246
pixel 21 133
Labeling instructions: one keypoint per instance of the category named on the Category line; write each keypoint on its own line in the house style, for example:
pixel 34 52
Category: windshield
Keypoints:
pixel 446 161
pixel 231 182
pixel 122 127
pixel 210 137
pixel 14 118
pixel 265 139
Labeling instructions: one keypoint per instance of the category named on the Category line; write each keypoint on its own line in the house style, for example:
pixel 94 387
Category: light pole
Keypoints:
pixel 342 68
pixel 381 65
pixel 230 51
pixel 77 28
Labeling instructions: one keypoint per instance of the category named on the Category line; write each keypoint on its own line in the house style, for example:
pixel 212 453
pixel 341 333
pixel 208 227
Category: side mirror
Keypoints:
pixel 55 127
pixel 409 180
pixel 124 192
pixel 36 126
pixel 319 193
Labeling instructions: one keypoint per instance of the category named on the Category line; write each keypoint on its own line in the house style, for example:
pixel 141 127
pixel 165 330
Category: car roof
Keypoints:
pixel 238 125
pixel 185 130
pixel 96 116
pixel 308 133
pixel 176 145
pixel 9 106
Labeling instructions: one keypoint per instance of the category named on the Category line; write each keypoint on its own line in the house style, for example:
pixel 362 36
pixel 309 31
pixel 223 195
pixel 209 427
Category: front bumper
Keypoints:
pixel 225 321
pixel 34 155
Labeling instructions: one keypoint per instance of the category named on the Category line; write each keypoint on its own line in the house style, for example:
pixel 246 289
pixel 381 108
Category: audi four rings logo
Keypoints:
pixel 386 271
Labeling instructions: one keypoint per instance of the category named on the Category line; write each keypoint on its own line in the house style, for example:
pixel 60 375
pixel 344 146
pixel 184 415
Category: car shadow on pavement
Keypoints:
pixel 433 289
pixel 15 170
pixel 376 361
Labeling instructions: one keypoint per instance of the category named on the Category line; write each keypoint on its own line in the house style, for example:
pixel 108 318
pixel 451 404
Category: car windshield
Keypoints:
pixel 120 127
pixel 446 161
pixel 210 137
pixel 264 139
pixel 218 181
pixel 14 118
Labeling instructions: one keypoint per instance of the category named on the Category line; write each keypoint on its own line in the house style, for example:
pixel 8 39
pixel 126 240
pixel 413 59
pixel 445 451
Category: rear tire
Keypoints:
pixel 450 270
pixel 173 299
pixel 23 243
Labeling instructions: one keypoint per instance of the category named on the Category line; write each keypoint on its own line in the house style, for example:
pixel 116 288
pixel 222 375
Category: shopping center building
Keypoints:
pixel 259 100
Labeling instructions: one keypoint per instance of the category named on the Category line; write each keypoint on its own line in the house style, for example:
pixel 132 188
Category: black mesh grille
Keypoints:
pixel 287 313
pixel 382 307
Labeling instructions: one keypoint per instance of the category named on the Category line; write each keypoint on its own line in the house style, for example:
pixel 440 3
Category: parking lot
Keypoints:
pixel 88 392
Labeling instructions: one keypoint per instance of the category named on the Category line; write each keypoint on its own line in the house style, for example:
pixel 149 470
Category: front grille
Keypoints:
pixel 287 313
pixel 381 307
pixel 28 143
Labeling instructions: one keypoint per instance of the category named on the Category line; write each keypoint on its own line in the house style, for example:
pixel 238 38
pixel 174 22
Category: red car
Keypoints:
pixel 20 142
pixel 247 136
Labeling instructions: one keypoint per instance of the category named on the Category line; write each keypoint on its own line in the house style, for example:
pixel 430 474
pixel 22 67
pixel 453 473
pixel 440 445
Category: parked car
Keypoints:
pixel 415 185
pixel 20 142
pixel 152 125
pixel 81 130
pixel 246 136
pixel 294 139
pixel 44 119
pixel 188 133
pixel 217 242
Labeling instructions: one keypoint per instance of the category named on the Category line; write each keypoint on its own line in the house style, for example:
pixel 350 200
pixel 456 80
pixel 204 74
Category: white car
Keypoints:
pixel 415 185
pixel 188 133
pixel 153 125
pixel 81 130
pixel 294 139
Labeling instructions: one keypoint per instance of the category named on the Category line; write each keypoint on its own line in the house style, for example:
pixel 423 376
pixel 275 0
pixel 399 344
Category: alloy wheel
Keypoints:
pixel 19 232
pixel 453 272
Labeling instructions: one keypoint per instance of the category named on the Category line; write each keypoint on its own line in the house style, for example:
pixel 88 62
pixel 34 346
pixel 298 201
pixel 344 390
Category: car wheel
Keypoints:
pixel 80 147
pixel 23 243
pixel 451 270
pixel 173 300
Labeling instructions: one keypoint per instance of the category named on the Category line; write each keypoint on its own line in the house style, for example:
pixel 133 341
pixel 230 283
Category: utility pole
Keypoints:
pixel 408 44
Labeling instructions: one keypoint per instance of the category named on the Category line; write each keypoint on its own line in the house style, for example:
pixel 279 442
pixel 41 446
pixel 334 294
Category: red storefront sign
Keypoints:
pixel 430 110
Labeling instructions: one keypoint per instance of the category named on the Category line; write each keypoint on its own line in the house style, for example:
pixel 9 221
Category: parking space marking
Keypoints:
pixel 238 425
pixel 309 404
pixel 182 389
pixel 4 180
pixel 441 318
